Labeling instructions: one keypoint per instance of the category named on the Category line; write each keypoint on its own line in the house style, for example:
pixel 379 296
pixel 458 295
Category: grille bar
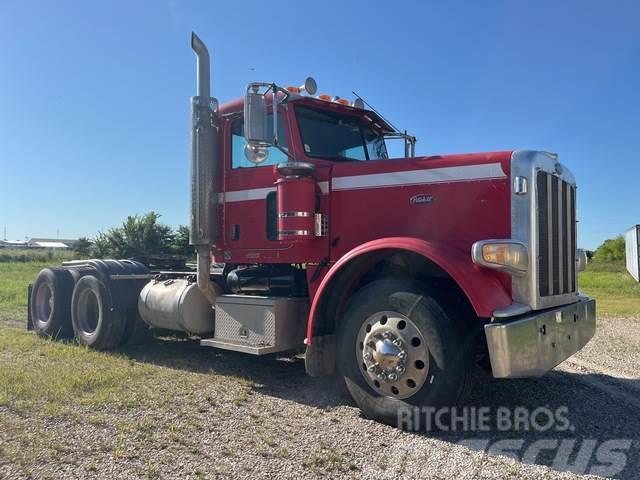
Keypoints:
pixel 562 236
pixel 544 274
pixel 572 261
pixel 556 235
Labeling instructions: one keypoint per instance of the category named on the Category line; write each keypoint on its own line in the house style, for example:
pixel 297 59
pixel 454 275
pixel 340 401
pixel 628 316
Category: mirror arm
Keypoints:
pixel 285 151
pixel 274 106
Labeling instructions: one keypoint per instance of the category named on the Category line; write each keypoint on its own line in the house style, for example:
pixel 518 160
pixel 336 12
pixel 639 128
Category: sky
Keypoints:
pixel 94 96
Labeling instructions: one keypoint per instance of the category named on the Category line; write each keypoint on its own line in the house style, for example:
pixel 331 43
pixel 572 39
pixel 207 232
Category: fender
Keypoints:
pixel 482 287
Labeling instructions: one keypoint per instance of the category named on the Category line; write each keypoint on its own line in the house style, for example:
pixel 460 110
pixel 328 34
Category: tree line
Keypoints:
pixel 139 235
pixel 611 251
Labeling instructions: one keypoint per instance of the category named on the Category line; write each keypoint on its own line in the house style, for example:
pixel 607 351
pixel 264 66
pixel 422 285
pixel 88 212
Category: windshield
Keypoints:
pixel 337 136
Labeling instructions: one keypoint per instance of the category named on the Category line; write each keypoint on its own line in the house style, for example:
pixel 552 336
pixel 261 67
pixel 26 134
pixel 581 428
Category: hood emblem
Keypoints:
pixel 421 199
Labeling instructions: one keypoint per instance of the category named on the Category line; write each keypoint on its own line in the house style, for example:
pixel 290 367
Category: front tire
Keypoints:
pixel 399 349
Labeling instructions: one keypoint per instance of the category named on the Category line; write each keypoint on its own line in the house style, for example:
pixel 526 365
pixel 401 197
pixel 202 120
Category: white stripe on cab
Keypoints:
pixel 465 173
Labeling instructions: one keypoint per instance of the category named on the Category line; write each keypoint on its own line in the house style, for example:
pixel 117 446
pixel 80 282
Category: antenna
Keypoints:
pixel 377 112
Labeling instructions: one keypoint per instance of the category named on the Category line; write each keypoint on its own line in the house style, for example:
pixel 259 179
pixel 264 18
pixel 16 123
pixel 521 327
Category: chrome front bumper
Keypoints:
pixel 533 344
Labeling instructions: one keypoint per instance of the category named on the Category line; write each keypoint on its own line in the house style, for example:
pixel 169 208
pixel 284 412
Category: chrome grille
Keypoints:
pixel 556 216
pixel 544 219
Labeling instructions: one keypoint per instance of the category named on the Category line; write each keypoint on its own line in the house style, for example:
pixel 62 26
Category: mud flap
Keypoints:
pixel 29 320
pixel 320 357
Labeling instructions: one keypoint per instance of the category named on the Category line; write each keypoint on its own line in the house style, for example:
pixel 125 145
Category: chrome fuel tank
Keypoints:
pixel 176 304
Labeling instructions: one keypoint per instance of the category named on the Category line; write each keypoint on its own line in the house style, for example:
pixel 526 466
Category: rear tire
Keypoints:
pixel 399 349
pixel 95 323
pixel 136 331
pixel 51 303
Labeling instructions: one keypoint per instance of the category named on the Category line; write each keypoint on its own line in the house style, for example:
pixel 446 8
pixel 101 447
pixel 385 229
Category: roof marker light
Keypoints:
pixel 325 97
pixel 309 86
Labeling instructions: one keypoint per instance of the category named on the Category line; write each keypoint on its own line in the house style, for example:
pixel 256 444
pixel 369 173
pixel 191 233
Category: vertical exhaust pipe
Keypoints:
pixel 203 66
pixel 204 167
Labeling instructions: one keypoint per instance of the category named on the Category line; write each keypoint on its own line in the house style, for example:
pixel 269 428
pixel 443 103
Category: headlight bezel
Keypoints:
pixel 518 251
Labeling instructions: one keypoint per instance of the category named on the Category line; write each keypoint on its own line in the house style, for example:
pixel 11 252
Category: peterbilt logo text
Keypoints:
pixel 421 199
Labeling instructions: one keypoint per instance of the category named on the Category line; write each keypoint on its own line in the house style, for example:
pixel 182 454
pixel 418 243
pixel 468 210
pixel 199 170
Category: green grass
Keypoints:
pixel 132 399
pixel 47 387
pixel 14 279
pixel 615 291
pixel 71 376
pixel 18 268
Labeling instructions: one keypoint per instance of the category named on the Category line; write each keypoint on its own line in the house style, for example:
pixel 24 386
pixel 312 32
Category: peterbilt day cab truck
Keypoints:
pixel 396 273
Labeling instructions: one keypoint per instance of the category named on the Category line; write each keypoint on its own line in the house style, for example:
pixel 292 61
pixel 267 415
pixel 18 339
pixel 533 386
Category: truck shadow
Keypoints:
pixel 599 416
pixel 594 415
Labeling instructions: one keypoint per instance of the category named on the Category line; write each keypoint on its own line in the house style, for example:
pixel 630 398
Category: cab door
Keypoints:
pixel 250 202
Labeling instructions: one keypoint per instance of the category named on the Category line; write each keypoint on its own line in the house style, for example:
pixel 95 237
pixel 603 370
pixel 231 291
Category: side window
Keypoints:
pixel 376 147
pixel 238 159
pixel 354 153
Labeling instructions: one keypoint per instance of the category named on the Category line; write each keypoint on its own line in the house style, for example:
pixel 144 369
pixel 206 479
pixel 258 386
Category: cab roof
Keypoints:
pixel 237 105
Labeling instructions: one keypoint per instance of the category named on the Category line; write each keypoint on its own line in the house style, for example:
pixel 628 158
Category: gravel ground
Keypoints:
pixel 228 415
pixel 615 346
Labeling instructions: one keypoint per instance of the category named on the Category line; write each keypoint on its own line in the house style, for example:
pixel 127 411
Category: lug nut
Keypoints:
pixel 393 377
pixel 402 355
pixel 367 355
pixel 400 369
pixel 397 342
pixel 386 335
pixel 371 368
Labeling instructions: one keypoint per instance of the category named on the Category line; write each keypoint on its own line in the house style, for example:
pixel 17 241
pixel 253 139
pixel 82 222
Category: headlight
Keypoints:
pixel 581 259
pixel 507 255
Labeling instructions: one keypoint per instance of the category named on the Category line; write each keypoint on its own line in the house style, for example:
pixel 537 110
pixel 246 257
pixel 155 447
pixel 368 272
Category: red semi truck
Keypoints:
pixel 396 273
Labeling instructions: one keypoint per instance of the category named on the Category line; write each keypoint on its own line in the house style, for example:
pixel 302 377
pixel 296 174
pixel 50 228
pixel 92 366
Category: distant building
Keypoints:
pixel 12 244
pixel 47 245
pixel 39 243
pixel 50 243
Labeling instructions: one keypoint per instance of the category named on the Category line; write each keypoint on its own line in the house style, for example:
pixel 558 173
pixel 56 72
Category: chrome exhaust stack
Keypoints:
pixel 204 167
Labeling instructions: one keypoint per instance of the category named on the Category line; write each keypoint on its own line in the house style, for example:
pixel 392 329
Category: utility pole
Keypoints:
pixel 5 232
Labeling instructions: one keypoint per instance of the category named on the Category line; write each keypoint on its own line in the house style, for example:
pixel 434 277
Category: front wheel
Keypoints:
pixel 399 349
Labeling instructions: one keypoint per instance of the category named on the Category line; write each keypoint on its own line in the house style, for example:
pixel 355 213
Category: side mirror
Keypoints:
pixel 256 127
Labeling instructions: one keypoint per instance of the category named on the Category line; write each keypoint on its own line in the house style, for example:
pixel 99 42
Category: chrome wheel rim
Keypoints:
pixel 392 354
